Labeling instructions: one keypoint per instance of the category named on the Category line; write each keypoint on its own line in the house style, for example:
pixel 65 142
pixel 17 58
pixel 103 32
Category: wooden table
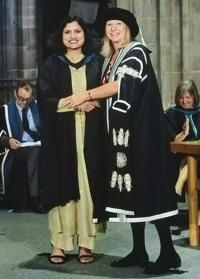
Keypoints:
pixel 192 150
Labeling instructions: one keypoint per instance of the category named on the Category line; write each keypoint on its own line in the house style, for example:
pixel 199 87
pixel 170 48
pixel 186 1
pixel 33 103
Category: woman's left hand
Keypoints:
pixel 185 132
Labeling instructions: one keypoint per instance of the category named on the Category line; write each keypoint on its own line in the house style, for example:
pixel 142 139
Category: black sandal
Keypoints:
pixel 86 256
pixel 58 257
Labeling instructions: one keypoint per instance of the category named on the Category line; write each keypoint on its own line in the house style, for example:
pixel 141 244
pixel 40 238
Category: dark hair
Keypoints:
pixel 27 85
pixel 60 46
pixel 186 85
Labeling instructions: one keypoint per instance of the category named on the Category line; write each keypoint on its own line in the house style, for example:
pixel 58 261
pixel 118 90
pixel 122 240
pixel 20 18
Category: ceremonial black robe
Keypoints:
pixel 58 150
pixel 140 178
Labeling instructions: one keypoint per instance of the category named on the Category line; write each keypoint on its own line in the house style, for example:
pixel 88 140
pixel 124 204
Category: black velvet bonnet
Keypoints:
pixel 119 14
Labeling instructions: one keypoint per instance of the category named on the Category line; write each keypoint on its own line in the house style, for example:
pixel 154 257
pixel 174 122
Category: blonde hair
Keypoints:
pixel 107 48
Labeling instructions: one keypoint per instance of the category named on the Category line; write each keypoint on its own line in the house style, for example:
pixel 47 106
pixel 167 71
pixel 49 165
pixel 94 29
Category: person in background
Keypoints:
pixel 183 124
pixel 20 135
pixel 72 156
pixel 140 188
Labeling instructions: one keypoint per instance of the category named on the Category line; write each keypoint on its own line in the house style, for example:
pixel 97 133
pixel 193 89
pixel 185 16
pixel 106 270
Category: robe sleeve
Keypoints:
pixel 46 91
pixel 131 73
pixel 4 137
pixel 4 140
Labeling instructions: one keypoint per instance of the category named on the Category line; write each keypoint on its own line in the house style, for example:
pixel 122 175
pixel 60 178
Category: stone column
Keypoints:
pixel 18 44
pixel 146 13
pixel 127 4
pixel 170 45
pixel 28 44
pixel 8 44
pixel 191 40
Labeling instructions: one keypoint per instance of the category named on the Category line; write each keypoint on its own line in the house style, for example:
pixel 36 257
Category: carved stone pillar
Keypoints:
pixel 18 44
pixel 191 40
pixel 28 46
pixel 8 44
pixel 170 45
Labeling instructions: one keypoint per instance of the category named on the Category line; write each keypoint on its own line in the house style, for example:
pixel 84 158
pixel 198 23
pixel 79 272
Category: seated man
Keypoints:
pixel 20 135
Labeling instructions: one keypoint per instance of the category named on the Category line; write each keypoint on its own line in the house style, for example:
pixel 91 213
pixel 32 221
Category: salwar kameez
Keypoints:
pixel 76 217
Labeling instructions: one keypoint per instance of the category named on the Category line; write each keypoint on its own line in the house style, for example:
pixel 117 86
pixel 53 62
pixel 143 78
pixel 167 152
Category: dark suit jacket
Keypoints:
pixel 11 126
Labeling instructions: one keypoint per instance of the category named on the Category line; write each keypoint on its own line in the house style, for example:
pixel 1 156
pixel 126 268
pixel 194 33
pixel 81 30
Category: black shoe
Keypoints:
pixel 36 206
pixel 163 265
pixel 131 260
pixel 39 208
pixel 175 230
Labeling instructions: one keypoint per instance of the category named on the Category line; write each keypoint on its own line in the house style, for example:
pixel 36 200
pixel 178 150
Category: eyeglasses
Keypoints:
pixel 22 99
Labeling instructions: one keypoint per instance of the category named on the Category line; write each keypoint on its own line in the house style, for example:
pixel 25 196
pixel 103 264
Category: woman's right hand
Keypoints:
pixel 87 106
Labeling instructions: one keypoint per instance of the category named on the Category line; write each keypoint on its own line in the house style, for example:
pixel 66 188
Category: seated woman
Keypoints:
pixel 183 124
